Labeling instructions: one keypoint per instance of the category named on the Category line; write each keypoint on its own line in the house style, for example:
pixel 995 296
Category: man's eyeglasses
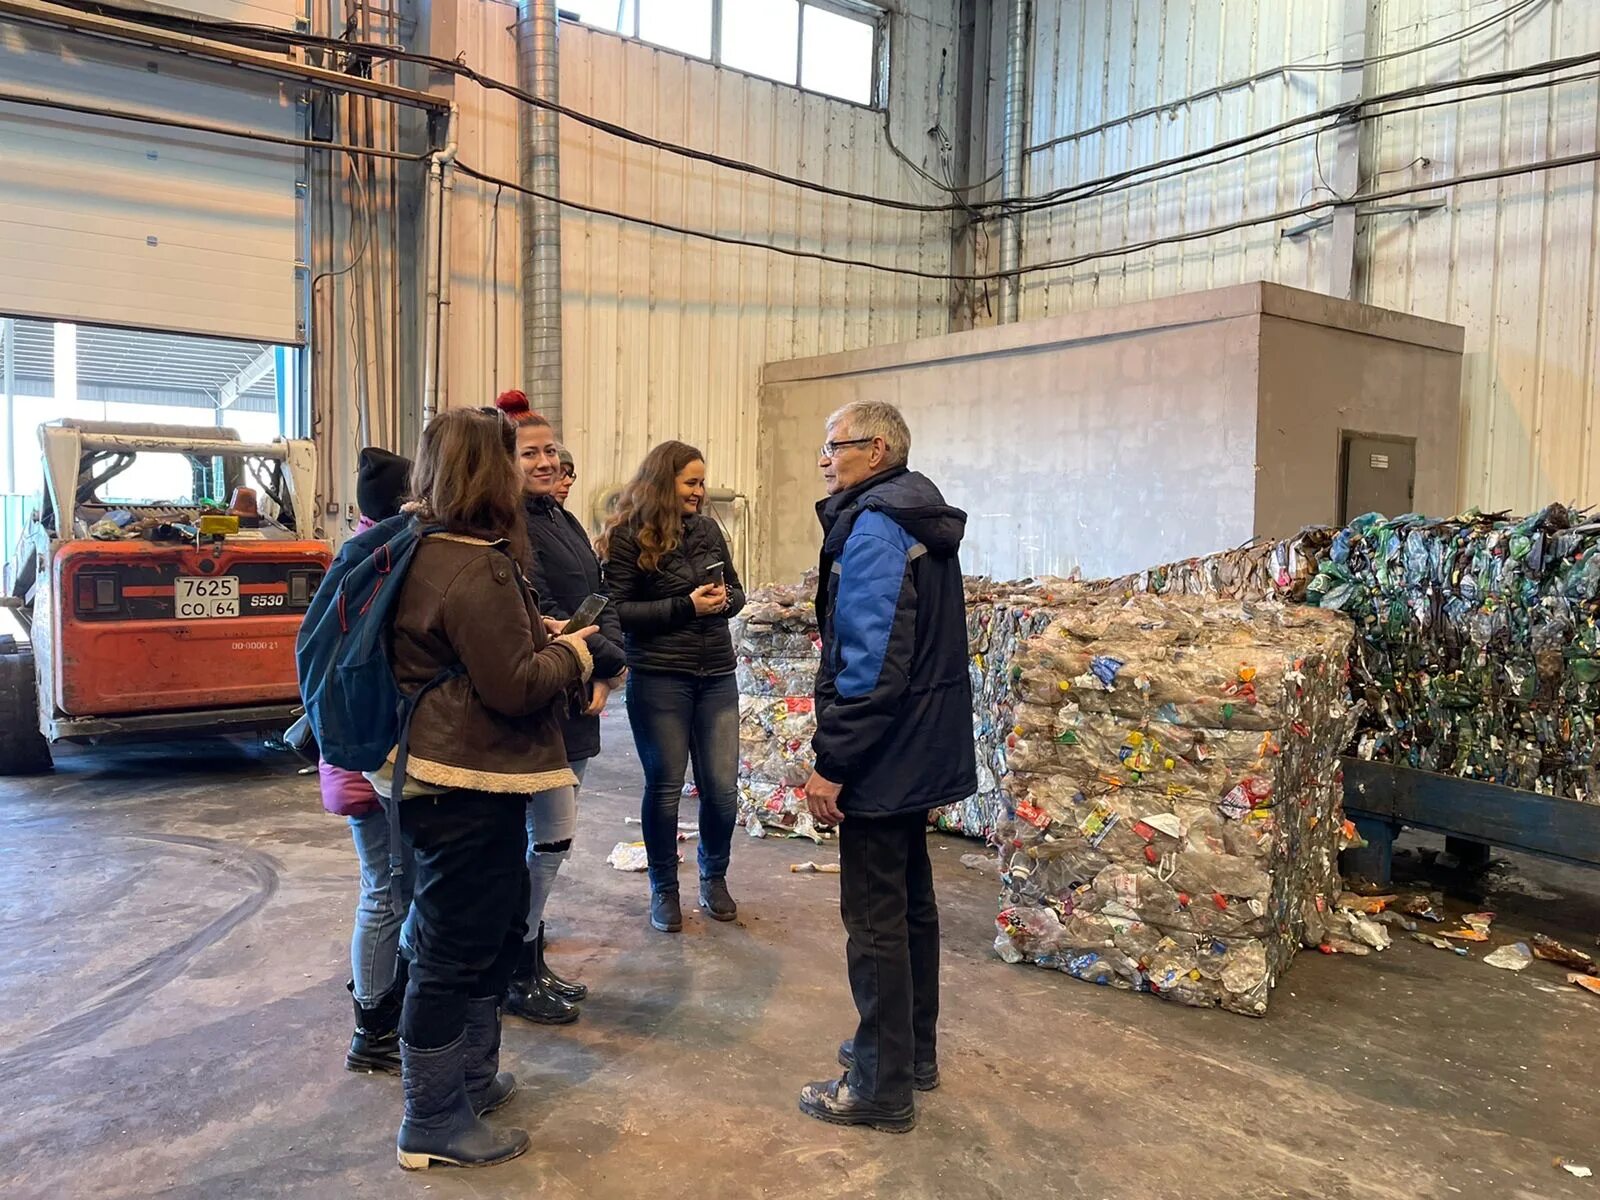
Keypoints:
pixel 829 449
pixel 569 472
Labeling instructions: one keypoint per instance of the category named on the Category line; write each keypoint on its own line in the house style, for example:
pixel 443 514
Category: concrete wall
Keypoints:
pixel 1120 438
pixel 1329 367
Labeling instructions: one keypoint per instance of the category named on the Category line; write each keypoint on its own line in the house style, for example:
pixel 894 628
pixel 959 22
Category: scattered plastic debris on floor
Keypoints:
pixel 1572 1168
pixel 1438 943
pixel 629 856
pixel 1221 720
pixel 811 868
pixel 1513 957
pixel 1476 654
pixel 1550 950
pixel 776 641
pixel 1587 982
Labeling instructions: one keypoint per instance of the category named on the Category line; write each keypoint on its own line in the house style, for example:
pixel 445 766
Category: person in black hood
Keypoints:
pixel 669 573
pixel 893 740
pixel 564 573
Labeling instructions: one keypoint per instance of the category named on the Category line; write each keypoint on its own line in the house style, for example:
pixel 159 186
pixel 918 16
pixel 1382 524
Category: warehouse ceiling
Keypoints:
pixel 164 367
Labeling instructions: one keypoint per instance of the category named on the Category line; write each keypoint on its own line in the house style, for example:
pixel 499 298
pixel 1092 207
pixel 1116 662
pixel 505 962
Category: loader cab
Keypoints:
pixel 159 589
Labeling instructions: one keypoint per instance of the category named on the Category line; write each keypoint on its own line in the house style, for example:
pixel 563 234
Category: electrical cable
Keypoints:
pixel 721 238
pixel 1536 85
pixel 1507 14
pixel 1550 164
pixel 1340 112
pixel 276 139
pixel 1049 199
pixel 838 260
pixel 1542 165
pixel 956 190
pixel 1008 206
pixel 462 70
pixel 366 229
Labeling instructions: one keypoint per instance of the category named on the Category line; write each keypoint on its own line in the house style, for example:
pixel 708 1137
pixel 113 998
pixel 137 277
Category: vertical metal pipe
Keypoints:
pixel 436 256
pixel 1016 104
pixel 541 219
pixel 430 306
pixel 447 187
pixel 359 208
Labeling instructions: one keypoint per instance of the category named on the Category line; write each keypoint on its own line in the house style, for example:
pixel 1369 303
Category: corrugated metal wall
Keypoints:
pixel 1096 61
pixel 1516 262
pixel 665 336
pixel 485 302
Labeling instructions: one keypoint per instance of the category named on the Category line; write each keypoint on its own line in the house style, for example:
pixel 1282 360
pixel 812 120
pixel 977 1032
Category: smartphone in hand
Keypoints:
pixel 715 575
pixel 588 612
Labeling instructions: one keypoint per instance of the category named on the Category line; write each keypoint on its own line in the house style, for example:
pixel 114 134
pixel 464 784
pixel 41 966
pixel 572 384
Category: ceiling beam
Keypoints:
pixel 252 373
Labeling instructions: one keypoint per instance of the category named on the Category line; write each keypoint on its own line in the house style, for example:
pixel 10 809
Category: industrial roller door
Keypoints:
pixel 108 221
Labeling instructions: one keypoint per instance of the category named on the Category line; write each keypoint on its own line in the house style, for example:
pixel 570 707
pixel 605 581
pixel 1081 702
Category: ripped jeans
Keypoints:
pixel 552 822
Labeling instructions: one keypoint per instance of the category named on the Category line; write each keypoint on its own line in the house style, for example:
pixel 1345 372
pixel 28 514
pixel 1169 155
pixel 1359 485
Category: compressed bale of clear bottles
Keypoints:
pixel 1262 570
pixel 776 645
pixel 1000 616
pixel 1173 806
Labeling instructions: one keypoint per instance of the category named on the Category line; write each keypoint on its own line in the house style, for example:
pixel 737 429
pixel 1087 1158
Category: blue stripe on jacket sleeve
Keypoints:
pixel 871 572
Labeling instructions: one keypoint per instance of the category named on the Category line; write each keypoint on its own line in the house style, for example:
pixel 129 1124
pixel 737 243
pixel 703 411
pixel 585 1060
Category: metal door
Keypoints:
pixel 1379 475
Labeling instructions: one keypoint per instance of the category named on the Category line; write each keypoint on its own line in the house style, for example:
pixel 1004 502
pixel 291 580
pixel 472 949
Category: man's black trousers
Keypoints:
pixel 892 919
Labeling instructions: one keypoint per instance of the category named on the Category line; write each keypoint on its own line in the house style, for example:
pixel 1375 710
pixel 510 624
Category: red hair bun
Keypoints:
pixel 514 404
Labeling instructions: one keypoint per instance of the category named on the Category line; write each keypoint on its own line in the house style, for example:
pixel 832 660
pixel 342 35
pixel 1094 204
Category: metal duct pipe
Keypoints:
pixel 436 267
pixel 430 304
pixel 1015 126
pixel 541 219
pixel 447 187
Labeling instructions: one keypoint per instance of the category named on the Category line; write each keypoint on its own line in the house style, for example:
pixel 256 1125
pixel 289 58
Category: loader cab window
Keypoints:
pixel 156 483
pixel 58 369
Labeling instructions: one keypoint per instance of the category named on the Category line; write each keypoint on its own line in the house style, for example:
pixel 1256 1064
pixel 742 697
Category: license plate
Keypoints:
pixel 200 598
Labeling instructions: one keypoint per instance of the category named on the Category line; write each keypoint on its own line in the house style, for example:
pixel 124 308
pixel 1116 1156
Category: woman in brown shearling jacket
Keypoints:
pixel 480 743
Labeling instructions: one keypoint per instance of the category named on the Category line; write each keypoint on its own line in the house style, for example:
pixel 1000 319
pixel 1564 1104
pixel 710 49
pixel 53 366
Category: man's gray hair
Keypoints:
pixel 875 419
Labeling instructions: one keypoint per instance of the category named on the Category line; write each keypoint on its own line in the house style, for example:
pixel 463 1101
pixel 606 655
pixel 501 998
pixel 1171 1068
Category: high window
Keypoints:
pixel 835 47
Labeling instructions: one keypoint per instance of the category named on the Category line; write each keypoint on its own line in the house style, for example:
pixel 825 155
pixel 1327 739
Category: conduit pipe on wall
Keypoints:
pixel 436 266
pixel 1015 140
pixel 538 61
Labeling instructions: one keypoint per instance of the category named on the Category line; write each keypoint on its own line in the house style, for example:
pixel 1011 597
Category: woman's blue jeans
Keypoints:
pixel 678 720
pixel 381 911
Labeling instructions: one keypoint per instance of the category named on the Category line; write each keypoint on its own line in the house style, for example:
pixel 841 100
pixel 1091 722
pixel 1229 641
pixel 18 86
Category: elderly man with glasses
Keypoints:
pixel 893 740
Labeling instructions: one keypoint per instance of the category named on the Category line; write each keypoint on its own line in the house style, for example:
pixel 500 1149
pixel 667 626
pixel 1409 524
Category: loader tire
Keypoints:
pixel 23 749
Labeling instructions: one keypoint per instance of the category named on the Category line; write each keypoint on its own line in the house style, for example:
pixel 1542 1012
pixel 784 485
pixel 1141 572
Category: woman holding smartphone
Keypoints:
pixel 480 741
pixel 564 573
pixel 671 579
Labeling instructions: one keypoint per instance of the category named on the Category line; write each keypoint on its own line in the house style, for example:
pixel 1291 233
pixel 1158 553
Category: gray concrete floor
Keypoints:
pixel 174 926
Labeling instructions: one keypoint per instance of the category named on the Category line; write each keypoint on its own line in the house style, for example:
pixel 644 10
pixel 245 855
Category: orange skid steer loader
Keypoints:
pixel 158 588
